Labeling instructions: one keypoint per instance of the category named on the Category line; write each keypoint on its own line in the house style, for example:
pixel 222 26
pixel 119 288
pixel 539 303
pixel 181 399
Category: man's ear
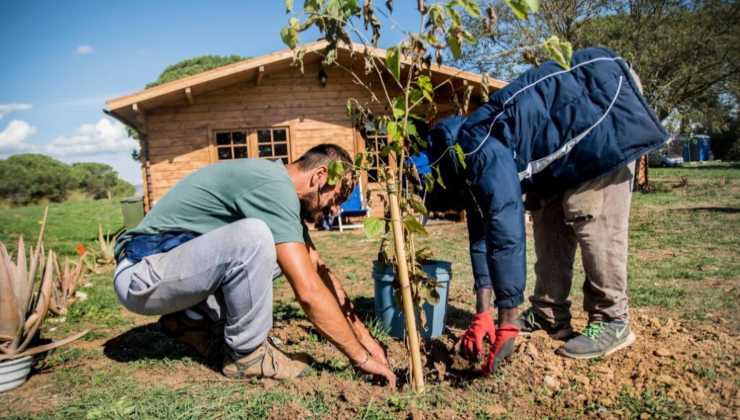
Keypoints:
pixel 320 177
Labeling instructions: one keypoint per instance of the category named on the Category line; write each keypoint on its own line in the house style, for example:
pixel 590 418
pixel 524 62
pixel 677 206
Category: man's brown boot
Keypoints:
pixel 266 361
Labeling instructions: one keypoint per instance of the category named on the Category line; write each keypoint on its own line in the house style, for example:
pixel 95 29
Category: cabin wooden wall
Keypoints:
pixel 180 136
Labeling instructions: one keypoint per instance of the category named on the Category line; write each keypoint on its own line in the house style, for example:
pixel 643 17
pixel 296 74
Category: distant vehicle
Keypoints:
pixel 665 161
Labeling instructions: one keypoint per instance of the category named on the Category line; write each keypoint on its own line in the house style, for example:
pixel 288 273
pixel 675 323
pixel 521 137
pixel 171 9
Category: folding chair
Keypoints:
pixel 353 207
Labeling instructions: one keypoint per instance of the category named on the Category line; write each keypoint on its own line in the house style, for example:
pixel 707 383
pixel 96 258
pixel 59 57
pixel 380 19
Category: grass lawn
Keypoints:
pixel 684 288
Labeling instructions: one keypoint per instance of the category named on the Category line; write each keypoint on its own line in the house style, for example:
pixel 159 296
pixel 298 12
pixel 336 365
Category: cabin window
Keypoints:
pixel 268 143
pixel 231 145
pixel 273 143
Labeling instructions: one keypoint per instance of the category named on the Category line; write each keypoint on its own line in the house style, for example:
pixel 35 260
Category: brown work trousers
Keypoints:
pixel 594 216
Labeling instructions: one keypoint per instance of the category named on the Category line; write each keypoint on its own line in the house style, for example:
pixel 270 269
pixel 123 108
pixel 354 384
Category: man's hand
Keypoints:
pixel 376 367
pixel 375 349
pixel 470 345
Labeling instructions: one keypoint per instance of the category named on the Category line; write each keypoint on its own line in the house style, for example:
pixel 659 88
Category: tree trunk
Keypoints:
pixel 402 270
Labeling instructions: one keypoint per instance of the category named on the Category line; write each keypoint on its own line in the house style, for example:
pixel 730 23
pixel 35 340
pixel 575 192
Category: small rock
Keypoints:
pixel 662 352
pixel 551 382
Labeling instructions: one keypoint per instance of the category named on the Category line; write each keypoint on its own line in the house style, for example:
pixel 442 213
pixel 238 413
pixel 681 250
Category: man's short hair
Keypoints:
pixel 322 155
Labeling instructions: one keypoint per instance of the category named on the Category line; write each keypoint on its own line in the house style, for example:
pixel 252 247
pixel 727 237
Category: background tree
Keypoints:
pixel 686 52
pixel 194 65
pixel 100 180
pixel 185 68
pixel 30 178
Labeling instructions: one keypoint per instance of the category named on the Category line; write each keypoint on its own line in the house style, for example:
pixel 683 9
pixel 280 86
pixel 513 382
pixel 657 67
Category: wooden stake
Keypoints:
pixel 417 374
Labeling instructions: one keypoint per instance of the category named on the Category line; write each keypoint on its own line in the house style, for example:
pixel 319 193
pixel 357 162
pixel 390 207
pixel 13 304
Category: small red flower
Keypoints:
pixel 80 249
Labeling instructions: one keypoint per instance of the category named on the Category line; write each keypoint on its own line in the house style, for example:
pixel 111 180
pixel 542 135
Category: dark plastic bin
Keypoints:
pixel 392 316
pixel 133 211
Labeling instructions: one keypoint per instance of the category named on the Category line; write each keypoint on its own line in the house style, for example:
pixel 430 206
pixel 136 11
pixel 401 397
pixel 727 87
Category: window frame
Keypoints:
pixel 252 144
pixel 375 138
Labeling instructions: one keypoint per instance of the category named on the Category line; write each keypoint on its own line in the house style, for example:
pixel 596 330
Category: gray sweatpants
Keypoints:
pixel 227 273
pixel 594 216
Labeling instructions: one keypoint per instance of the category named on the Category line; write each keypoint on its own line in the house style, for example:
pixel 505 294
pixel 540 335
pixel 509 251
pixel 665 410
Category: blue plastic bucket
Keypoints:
pixel 392 316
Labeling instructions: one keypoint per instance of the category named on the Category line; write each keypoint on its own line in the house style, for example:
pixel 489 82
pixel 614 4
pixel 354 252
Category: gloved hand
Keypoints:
pixel 470 345
pixel 502 348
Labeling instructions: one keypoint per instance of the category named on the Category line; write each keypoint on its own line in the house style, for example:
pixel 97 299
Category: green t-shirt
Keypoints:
pixel 223 193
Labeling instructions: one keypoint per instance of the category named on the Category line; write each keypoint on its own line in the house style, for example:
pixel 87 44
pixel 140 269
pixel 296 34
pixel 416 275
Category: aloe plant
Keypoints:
pixel 106 245
pixel 26 286
pixel 69 276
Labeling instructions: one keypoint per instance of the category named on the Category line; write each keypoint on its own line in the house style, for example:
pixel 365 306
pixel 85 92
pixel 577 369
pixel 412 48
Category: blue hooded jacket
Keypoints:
pixel 549 130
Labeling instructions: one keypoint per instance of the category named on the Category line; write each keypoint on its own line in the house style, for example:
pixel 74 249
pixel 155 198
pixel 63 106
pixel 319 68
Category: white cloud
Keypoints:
pixel 13 137
pixel 103 137
pixel 6 109
pixel 84 50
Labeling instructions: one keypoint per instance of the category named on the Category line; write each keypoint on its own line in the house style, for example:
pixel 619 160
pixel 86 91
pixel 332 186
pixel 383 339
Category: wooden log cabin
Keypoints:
pixel 262 107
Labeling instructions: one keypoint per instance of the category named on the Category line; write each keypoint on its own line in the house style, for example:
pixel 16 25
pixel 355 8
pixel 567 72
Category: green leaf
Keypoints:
pixel 312 6
pixel 411 131
pixel 413 226
pixel 359 159
pixel 471 7
pixel 438 177
pixel 437 15
pixel 399 107
pixel 351 7
pixel 393 62
pixel 469 37
pixel 288 6
pixel 559 51
pixel 392 131
pixel 424 254
pixel 414 95
pixel 522 8
pixel 454 45
pixel 454 16
pixel 289 36
pixel 374 226
pixel 417 204
pixel 429 181
pixel 425 84
pixel 460 155
pixel 336 171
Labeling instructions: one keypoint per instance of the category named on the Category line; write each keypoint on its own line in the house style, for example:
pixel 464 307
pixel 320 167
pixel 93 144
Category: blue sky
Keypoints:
pixel 63 59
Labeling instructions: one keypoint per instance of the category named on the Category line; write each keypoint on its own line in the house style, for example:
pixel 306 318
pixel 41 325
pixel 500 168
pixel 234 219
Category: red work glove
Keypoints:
pixel 502 348
pixel 471 343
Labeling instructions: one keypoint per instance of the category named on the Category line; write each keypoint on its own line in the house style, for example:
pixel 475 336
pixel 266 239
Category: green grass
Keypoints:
pixel 69 224
pixel 652 403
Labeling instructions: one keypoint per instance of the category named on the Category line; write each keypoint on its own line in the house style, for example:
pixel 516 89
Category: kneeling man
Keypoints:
pixel 208 251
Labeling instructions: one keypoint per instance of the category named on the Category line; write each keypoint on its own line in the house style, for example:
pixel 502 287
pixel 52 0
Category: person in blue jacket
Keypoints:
pixel 568 139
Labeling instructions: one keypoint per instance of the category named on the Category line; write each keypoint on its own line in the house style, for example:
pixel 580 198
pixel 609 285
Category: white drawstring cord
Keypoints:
pixel 511 98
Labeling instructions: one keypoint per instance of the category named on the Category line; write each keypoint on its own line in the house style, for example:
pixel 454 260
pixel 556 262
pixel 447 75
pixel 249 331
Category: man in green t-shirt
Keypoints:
pixel 207 252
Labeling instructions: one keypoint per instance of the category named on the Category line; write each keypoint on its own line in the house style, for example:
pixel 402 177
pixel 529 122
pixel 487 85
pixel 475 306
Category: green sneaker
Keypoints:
pixel 529 321
pixel 599 339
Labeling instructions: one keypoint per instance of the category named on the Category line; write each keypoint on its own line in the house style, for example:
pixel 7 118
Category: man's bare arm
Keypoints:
pixel 345 303
pixel 322 307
